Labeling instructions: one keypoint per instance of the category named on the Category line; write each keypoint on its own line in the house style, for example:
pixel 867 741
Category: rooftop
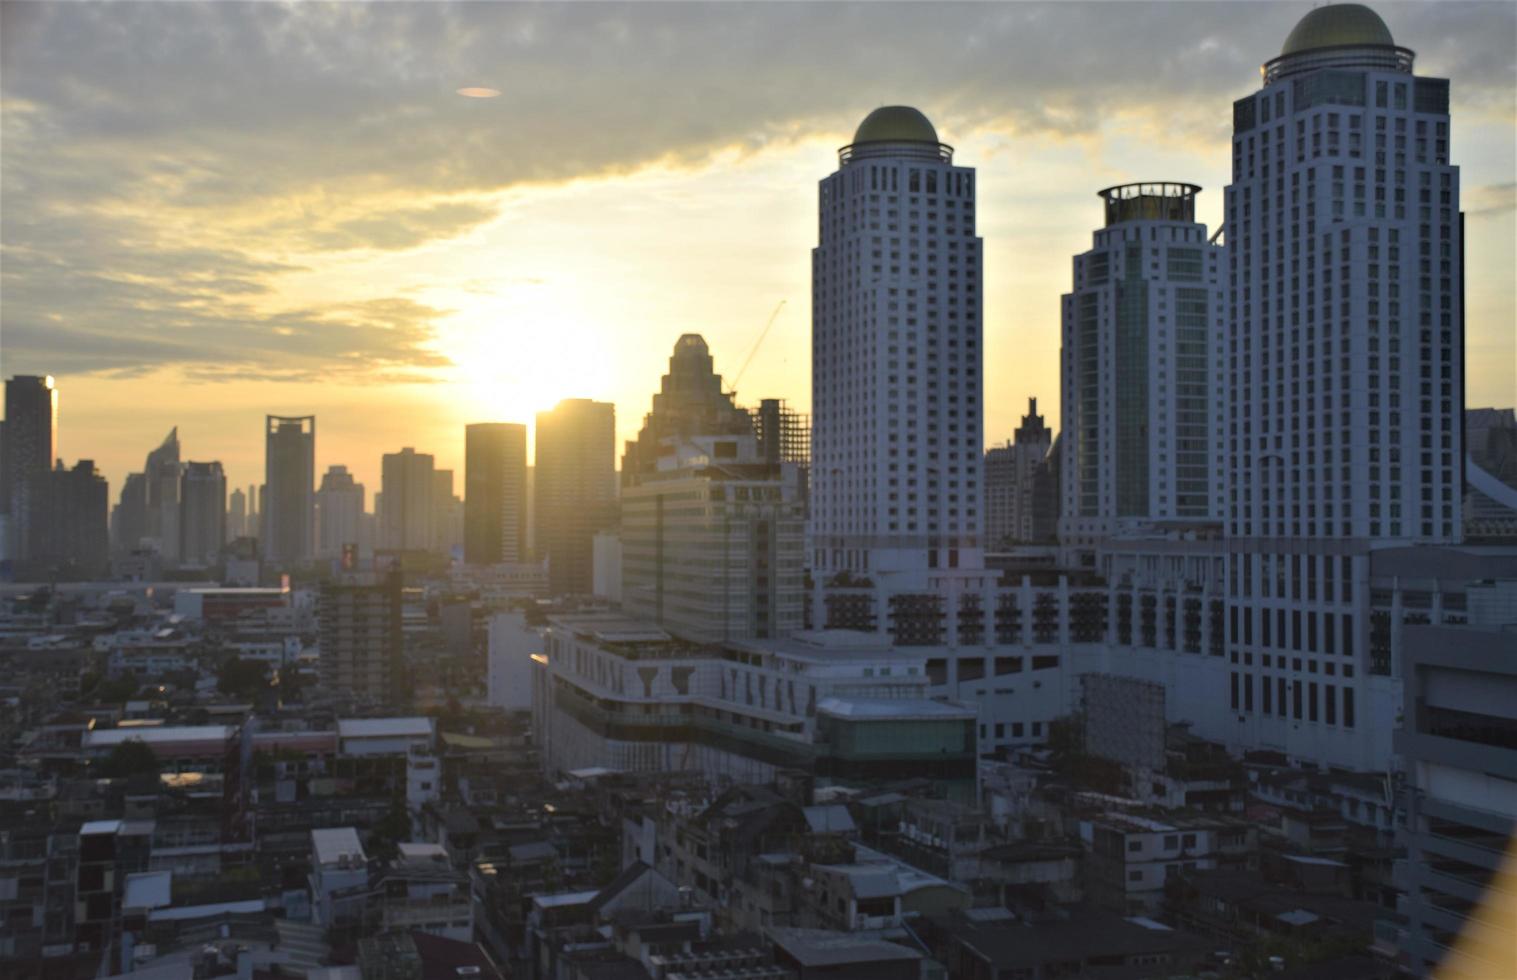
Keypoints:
pixel 384 727
pixel 892 709
pixel 1337 25
pixel 331 844
pixel 895 124
pixel 110 737
pixel 816 948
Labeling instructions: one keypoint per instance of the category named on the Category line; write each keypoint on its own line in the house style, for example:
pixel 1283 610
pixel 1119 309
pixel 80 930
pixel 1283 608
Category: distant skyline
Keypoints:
pixel 213 212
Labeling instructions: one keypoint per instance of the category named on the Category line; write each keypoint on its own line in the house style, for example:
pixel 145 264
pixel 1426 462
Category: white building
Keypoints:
pixel 509 672
pixel 1141 362
pixel 1344 367
pixel 896 384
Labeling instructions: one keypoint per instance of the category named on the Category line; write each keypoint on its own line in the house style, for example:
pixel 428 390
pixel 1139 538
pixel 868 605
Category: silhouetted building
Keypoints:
pixel 447 513
pixel 237 515
pixel 202 514
pixel 408 510
pixel 339 512
pixel 1009 487
pixel 361 638
pixel 129 519
pixel 576 488
pixel 288 501
pixel 30 443
pixel 495 493
pixel 161 474
pixel 690 402
pixel 72 539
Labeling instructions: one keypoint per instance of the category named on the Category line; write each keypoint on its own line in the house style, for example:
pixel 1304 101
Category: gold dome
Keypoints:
pixel 1338 25
pixel 895 124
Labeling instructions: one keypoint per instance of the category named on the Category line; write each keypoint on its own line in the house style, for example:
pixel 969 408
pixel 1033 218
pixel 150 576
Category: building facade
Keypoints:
pixel 1010 481
pixel 575 477
pixel 1142 354
pixel 287 505
pixel 896 354
pixel 408 515
pixel 26 456
pixel 495 493
pixel 1344 363
pixel 361 638
pixel 202 514
pixel 339 513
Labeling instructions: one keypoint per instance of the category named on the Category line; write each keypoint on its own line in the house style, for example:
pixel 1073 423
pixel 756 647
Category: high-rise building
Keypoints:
pixel 1009 474
pixel 1344 373
pixel 129 519
pixel 161 475
pixel 784 435
pixel 448 517
pixel 202 514
pixel 255 511
pixel 575 488
pixel 1141 361
pixel 408 520
pixel 69 508
pixel 29 447
pixel 360 632
pixel 690 401
pixel 495 493
pixel 288 502
pixel 237 515
pixel 339 513
pixel 712 534
pixel 895 384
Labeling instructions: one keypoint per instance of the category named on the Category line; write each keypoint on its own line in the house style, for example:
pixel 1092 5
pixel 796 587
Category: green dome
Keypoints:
pixel 895 124
pixel 1338 25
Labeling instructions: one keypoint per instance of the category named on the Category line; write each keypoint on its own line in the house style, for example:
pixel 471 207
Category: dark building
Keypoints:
pixel 289 501
pixel 202 513
pixel 576 488
pixel 31 442
pixel 361 638
pixel 69 512
pixel 129 519
pixel 689 402
pixel 495 493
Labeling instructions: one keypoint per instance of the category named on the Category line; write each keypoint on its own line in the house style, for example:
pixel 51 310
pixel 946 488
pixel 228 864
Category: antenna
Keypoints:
pixel 754 350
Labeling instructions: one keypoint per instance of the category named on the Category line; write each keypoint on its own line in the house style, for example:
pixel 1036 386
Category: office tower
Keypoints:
pixel 237 515
pixel 359 624
pixel 1046 495
pixel 1344 373
pixel 202 514
pixel 339 513
pixel 1142 351
pixel 408 518
pixel 448 513
pixel 495 493
pixel 1009 473
pixel 129 519
pixel 690 401
pixel 162 473
pixel 30 444
pixel 712 534
pixel 895 382
pixel 69 510
pixel 255 511
pixel 575 488
pixel 287 502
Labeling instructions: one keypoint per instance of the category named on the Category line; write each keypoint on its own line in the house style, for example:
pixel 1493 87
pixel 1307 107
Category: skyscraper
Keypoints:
pixel 1009 471
pixel 1142 352
pixel 895 384
pixel 690 401
pixel 202 514
pixel 495 493
pixel 69 511
pixel 1344 374
pixel 575 487
pixel 129 520
pixel 408 520
pixel 448 513
pixel 361 638
pixel 161 476
pixel 339 512
pixel 288 504
pixel 29 447
pixel 237 515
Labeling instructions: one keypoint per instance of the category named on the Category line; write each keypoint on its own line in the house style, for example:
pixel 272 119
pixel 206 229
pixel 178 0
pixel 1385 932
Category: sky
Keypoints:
pixel 210 212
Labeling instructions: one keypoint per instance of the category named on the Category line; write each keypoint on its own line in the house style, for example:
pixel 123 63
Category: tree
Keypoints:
pixel 243 678
pixel 129 758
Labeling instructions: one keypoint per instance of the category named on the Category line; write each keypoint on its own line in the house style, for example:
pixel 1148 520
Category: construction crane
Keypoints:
pixel 756 344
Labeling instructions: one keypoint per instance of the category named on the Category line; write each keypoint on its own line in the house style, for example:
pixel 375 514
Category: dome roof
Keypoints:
pixel 1338 25
pixel 895 124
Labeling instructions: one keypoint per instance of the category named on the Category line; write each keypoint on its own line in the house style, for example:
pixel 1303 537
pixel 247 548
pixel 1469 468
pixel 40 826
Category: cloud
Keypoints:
pixel 163 166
